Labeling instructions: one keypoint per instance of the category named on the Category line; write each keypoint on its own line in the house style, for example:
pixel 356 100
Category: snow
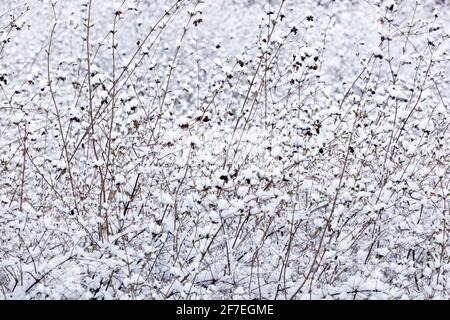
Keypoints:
pixel 221 141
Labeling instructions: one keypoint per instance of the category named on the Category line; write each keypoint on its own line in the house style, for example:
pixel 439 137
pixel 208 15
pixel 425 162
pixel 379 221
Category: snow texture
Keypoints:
pixel 236 149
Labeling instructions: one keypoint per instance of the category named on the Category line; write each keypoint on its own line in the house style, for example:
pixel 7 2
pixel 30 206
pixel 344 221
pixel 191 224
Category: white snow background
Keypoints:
pixel 235 149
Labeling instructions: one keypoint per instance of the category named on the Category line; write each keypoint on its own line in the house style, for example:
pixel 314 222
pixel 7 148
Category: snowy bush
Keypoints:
pixel 189 149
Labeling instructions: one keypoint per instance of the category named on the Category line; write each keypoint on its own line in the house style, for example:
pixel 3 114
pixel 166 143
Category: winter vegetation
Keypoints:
pixel 235 149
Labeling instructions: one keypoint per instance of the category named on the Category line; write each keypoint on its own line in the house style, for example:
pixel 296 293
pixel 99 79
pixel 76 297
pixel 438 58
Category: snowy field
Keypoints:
pixel 235 149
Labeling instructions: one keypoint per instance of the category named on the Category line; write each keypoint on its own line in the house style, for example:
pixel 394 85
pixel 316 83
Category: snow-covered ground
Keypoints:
pixel 235 149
